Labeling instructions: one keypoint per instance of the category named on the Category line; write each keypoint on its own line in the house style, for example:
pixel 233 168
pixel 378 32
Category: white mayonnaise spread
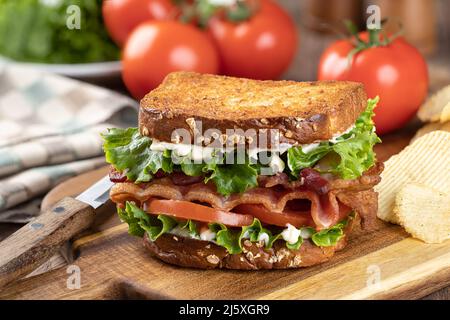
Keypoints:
pixel 336 136
pixel 290 234
pixel 200 153
pixel 276 164
pixel 264 237
pixel 207 235
pixel 307 148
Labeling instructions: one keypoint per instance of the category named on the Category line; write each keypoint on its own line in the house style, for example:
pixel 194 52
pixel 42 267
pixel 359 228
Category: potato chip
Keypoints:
pixel 424 212
pixel 437 107
pixel 445 115
pixel 430 127
pixel 425 161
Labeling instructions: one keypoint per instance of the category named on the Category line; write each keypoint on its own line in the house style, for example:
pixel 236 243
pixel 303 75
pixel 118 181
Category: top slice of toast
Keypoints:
pixel 304 112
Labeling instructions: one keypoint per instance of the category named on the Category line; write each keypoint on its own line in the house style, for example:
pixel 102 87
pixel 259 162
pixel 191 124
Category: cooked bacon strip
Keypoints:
pixel 279 179
pixel 324 209
pixel 180 179
pixel 367 181
pixel 326 197
pixel 311 179
pixel 363 202
pixel 314 181
pixel 126 191
pixel 117 176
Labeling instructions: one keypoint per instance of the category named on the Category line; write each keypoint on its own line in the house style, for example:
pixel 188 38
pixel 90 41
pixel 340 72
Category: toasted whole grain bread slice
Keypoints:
pixel 192 253
pixel 304 112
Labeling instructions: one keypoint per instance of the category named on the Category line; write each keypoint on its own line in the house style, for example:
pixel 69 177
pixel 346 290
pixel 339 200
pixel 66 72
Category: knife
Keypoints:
pixel 33 244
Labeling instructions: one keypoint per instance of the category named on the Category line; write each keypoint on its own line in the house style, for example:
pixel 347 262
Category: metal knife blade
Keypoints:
pixel 97 194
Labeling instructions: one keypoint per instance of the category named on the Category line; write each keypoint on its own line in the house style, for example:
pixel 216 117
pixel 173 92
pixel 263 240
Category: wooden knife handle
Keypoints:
pixel 34 243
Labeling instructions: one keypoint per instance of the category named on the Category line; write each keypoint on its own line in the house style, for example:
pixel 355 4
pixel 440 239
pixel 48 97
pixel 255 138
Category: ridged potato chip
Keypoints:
pixel 424 212
pixel 445 114
pixel 437 107
pixel 426 161
pixel 430 127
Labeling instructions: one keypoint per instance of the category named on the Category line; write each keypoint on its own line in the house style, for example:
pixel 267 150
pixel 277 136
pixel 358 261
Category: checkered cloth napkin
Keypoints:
pixel 50 131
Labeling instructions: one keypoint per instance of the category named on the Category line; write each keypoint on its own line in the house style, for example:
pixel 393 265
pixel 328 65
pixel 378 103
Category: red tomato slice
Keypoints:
pixel 189 210
pixel 281 219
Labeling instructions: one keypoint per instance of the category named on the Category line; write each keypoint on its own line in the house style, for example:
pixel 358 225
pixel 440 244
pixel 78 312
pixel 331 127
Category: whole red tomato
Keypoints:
pixel 395 71
pixel 261 47
pixel 157 48
pixel 122 16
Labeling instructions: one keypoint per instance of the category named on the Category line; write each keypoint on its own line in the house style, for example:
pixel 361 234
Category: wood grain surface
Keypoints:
pixel 112 259
pixel 115 265
pixel 36 242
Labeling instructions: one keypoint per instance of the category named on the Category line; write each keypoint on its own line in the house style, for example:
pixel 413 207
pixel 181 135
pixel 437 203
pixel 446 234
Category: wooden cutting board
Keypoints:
pixel 384 263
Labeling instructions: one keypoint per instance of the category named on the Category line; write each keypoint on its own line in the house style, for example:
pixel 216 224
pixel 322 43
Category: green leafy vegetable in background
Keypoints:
pixel 231 239
pixel 36 31
pixel 355 149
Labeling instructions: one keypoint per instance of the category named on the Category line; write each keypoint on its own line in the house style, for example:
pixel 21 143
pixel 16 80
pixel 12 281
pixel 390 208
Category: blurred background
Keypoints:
pixel 425 25
pixel 41 35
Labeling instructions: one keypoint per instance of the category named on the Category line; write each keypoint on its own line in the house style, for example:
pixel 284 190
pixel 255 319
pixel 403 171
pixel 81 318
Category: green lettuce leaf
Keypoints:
pixel 192 169
pixel 298 160
pixel 130 152
pixel 191 226
pixel 331 236
pixel 127 215
pixel 254 231
pixel 227 238
pixel 158 225
pixel 354 149
pixel 139 222
pixel 229 179
pixel 295 246
pixel 230 238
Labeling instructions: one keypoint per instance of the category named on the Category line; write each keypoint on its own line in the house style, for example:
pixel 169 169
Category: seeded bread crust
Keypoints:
pixel 304 112
pixel 192 253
